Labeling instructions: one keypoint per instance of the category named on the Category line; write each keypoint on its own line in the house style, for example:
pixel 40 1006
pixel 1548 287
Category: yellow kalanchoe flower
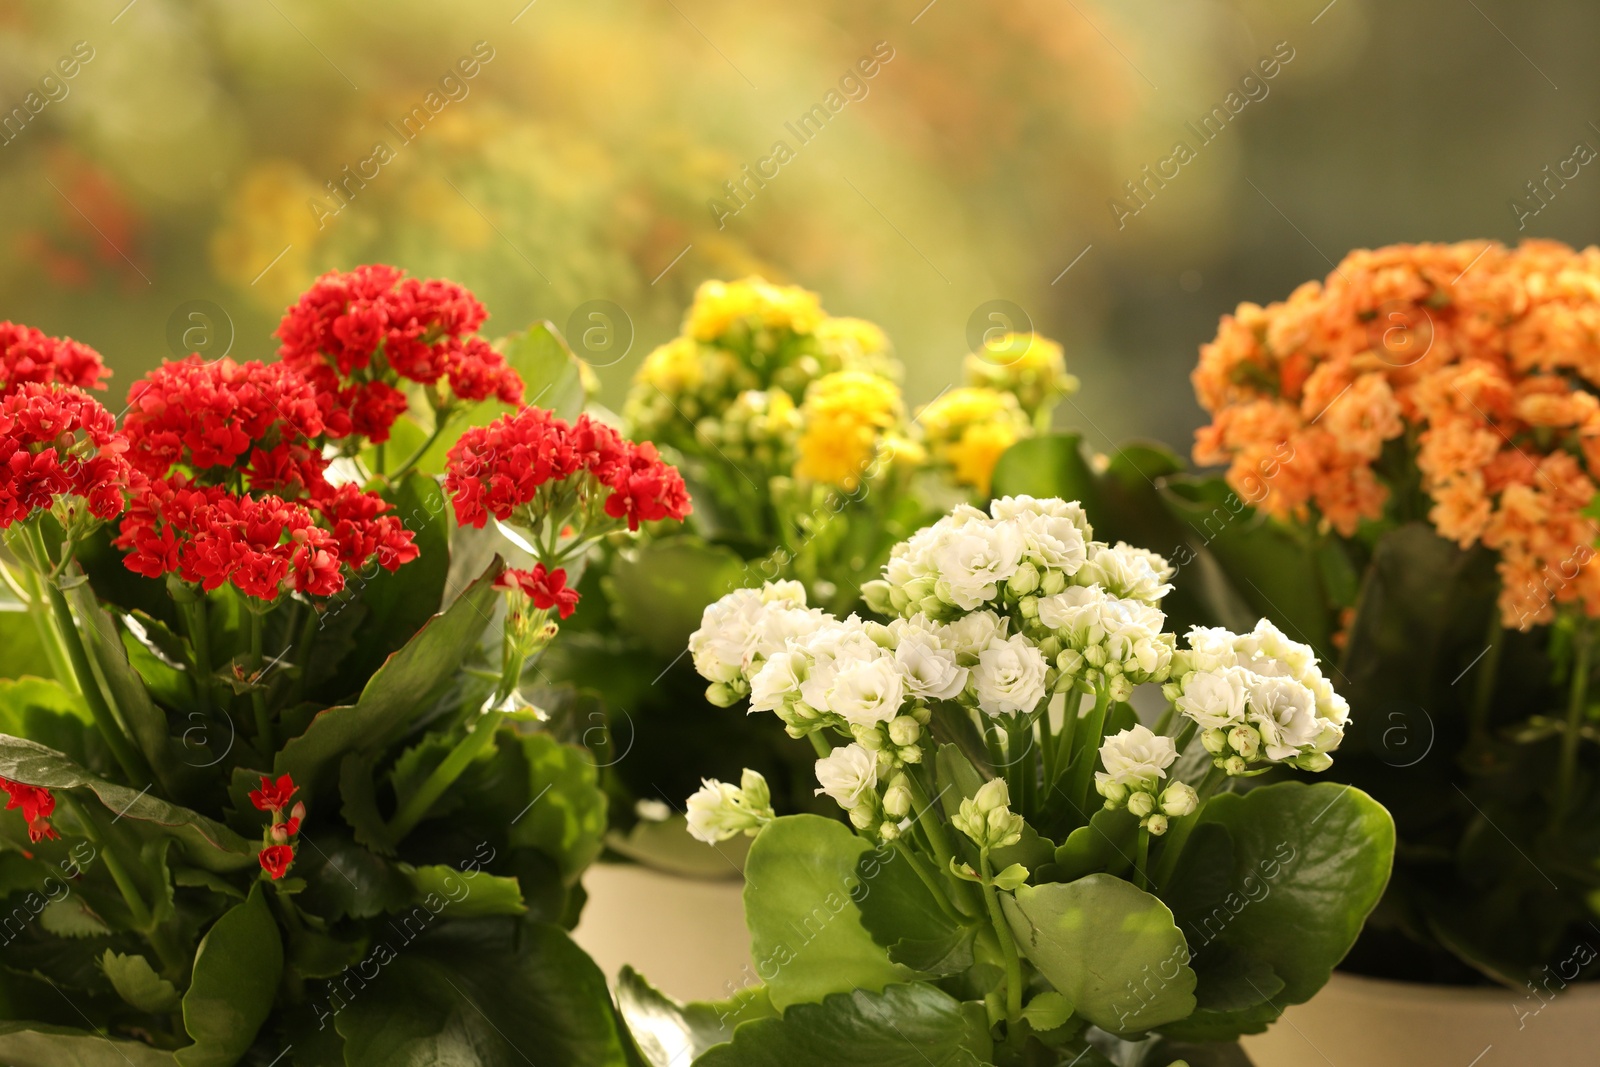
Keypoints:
pixel 719 306
pixel 845 416
pixel 967 430
pixel 1025 364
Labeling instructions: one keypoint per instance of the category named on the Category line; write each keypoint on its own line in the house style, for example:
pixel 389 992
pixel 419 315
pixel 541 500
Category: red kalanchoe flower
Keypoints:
pixel 363 531
pixel 57 442
pixel 274 796
pixel 36 803
pixel 27 355
pixel 257 417
pixel 546 589
pixel 646 488
pixel 356 335
pixel 275 860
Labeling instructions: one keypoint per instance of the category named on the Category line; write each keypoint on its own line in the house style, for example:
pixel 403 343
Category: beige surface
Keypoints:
pixel 1362 1022
pixel 687 936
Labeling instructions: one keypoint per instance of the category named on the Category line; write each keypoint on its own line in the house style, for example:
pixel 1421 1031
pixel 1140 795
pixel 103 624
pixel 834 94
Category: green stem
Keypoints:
pixel 1483 692
pixel 258 695
pixel 1179 829
pixel 174 963
pixel 477 741
pixel 1047 750
pixel 131 762
pixel 1069 729
pixel 1020 732
pixel 1008 944
pixel 380 456
pixel 194 617
pixel 1081 782
pixel 55 649
pixel 935 884
pixel 1141 860
pixel 422 450
pixel 302 660
pixel 819 744
pixel 1577 705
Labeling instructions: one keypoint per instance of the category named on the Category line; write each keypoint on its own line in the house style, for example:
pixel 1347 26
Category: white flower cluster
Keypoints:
pixel 720 810
pixel 1257 697
pixel 1089 606
pixel 1135 761
pixel 739 632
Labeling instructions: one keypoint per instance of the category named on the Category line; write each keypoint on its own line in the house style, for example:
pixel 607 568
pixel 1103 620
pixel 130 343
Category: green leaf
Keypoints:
pixel 1307 864
pixel 566 813
pixel 1047 1011
pixel 72 918
pixel 669 1033
pixel 21 651
pixel 902 914
pixel 904 1026
pixel 397 604
pixel 358 794
pixel 1048 465
pixel 659 589
pixel 667 846
pixel 455 894
pixel 550 374
pixel 236 972
pixel 462 997
pixel 344 880
pixel 137 983
pixel 44 711
pixel 1106 845
pixel 407 683
pixel 25 1044
pixel 806 934
pixel 1103 943
pixel 205 842
pixel 146 722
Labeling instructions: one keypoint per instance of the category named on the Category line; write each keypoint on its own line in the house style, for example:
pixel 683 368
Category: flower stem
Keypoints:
pixel 55 649
pixel 422 449
pixel 258 696
pixel 1179 829
pixel 819 744
pixel 131 762
pixel 194 618
pixel 174 963
pixel 1008 944
pixel 478 741
pixel 1577 705
pixel 1141 860
pixel 1082 774
pixel 1483 692
pixel 940 895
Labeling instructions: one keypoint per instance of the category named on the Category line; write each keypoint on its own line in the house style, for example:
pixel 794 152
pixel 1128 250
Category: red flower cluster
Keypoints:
pixel 254 427
pixel 274 797
pixel 56 441
pixel 498 468
pixel 36 804
pixel 546 589
pixel 27 355
pixel 258 417
pixel 355 335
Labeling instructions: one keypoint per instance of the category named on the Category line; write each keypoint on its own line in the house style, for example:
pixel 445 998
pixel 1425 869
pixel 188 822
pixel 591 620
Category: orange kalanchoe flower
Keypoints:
pixel 1481 362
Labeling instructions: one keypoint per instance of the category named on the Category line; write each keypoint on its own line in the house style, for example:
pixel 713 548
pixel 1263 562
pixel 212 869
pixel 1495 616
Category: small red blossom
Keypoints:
pixel 57 442
pixel 36 803
pixel 273 796
pixel 646 489
pixel 546 589
pixel 355 336
pixel 275 860
pixel 27 355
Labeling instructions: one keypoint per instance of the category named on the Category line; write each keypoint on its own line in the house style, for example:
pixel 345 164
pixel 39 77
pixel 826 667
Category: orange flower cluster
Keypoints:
pixel 1476 364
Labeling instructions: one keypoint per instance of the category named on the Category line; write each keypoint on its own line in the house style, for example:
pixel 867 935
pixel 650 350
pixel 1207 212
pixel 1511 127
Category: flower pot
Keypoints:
pixel 686 935
pixel 1368 1022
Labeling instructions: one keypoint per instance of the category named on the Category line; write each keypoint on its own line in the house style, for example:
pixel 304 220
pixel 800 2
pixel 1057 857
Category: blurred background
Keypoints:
pixel 173 172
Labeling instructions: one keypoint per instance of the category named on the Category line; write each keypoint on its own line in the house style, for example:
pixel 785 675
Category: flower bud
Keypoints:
pixel 889 831
pixel 863 817
pixel 1029 607
pixel 911 754
pixel 1215 741
pixel 1156 824
pixel 1070 661
pixel 1116 793
pixel 1121 688
pixel 298 812
pixel 1025 580
pixel 1235 766
pixel 1245 740
pixel 878 597
pixel 992 795
pixel 1179 799
pixel 897 798
pixel 1052 582
pixel 754 788
pixel 1315 762
pixel 922 713
pixel 1141 804
pixel 279 834
pixel 904 730
pixel 1095 655
pixel 723 695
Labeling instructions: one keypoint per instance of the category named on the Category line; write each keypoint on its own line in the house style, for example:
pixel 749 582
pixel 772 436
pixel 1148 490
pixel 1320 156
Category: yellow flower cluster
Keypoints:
pixel 1025 364
pixel 848 416
pixel 753 305
pixel 968 428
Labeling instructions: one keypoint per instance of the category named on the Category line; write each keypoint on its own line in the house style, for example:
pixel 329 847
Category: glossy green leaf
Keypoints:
pixel 455 894
pixel 565 816
pixel 345 880
pixel 464 997
pixel 1106 845
pixel 805 930
pixel 670 1033
pixel 904 1026
pixel 73 918
pixel 405 685
pixel 236 972
pixel 21 651
pixel 145 722
pixel 205 842
pixel 25 1044
pixel 46 712
pixel 137 983
pixel 1110 948
pixel 1045 466
pixel 659 589
pixel 902 914
pixel 1306 866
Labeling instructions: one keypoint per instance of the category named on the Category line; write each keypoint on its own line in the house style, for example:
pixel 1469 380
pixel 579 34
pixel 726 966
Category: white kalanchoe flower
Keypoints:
pixel 969 635
pixel 720 810
pixel 850 776
pixel 1285 712
pixel 1136 758
pixel 1010 677
pixel 975 559
pixel 1126 572
pixel 867 693
pixel 741 630
pixel 778 681
pixel 930 670
pixel 1053 538
pixel 1214 699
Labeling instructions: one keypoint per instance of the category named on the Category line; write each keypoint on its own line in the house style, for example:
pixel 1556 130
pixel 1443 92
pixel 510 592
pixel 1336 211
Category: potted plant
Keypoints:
pixel 1411 452
pixel 1027 872
pixel 805 464
pixel 273 791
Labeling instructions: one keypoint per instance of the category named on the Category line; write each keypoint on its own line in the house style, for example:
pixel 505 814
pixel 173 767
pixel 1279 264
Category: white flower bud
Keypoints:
pixel 863 818
pixel 1246 741
pixel 1029 607
pixel 889 831
pixel 1215 741
pixel 1025 581
pixel 1141 804
pixel 1116 793
pixel 1315 762
pixel 1235 766
pixel 897 798
pixel 1156 824
pixel 1179 799
pixel 904 731
pixel 1052 582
